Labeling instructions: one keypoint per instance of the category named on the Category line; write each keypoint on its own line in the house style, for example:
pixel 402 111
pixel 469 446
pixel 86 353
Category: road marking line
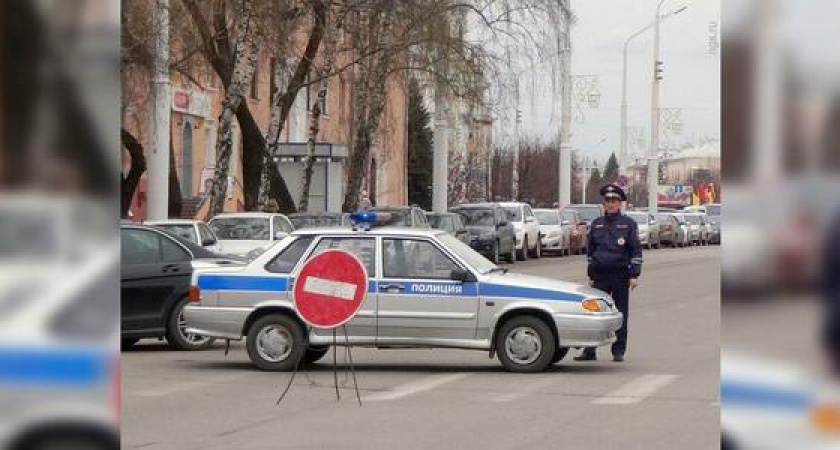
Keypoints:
pixel 530 389
pixel 181 386
pixel 413 387
pixel 330 288
pixel 636 390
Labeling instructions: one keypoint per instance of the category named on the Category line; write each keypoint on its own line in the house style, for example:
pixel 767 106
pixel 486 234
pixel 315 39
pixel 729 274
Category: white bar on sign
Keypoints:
pixel 331 288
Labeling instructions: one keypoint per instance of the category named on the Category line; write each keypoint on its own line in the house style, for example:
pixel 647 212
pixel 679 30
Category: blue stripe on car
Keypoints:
pixel 741 394
pixel 40 367
pixel 276 283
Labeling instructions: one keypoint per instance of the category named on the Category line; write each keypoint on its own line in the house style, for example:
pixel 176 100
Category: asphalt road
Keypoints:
pixel 665 395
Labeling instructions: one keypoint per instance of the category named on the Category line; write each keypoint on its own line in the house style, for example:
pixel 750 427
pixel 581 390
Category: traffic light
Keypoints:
pixel 658 69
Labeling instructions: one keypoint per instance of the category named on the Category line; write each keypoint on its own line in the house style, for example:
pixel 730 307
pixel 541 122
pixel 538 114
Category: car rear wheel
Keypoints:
pixel 511 257
pixel 537 253
pixel 559 354
pixel 525 344
pixel 523 255
pixel 176 331
pixel 276 343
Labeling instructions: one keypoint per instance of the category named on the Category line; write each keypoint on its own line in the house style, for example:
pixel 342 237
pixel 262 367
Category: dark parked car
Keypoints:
pixel 319 220
pixel 156 269
pixel 492 234
pixel 404 216
pixel 451 223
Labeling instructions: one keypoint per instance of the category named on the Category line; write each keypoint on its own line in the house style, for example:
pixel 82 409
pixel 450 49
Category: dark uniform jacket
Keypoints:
pixel 614 246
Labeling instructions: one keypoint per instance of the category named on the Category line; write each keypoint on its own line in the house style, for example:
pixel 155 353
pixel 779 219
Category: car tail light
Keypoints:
pixel 194 294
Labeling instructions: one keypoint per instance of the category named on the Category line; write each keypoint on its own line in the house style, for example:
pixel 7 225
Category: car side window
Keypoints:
pixel 362 248
pixel 140 246
pixel 528 212
pixel 172 252
pixel 286 225
pixel 412 258
pixel 286 260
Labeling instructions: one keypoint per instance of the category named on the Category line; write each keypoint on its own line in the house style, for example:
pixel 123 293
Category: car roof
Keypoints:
pixel 546 209
pixel 511 204
pixel 317 214
pixel 476 205
pixel 197 250
pixel 256 214
pixel 172 222
pixel 583 205
pixel 391 207
pixel 376 231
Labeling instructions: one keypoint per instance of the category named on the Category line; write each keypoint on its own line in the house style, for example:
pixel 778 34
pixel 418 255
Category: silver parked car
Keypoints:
pixel 648 228
pixel 556 233
pixel 426 289
pixel 699 231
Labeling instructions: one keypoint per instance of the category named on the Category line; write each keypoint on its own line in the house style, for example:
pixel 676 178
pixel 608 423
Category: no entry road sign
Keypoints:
pixel 330 289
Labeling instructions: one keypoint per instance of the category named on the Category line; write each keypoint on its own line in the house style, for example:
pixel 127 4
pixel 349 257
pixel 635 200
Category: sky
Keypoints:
pixel 691 79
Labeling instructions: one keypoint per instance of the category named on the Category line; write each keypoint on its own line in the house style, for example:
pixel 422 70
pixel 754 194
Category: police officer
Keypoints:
pixel 615 262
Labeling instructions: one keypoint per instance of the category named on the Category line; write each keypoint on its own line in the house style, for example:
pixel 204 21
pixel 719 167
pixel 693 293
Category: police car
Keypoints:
pixel 426 289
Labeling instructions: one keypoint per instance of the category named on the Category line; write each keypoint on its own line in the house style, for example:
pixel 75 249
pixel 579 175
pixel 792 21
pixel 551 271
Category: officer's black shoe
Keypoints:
pixel 618 357
pixel 585 356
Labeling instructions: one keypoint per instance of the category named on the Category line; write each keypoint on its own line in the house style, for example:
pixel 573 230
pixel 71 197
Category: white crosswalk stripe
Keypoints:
pixel 415 386
pixel 636 390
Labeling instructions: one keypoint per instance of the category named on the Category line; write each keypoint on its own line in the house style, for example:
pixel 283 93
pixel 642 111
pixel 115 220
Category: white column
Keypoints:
pixel 653 163
pixel 565 164
pixel 158 174
pixel 440 168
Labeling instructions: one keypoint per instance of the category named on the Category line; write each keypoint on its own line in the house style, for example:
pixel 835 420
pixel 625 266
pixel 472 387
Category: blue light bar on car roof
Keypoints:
pixel 366 219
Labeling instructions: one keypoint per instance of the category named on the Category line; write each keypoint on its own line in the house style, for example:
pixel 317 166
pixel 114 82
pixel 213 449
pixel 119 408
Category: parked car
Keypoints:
pixel 319 220
pixel 405 216
pixel 713 211
pixel 194 231
pixel 433 291
pixel 648 228
pixel 670 231
pixel 578 230
pixel 685 230
pixel 247 234
pixel 527 229
pixel 451 223
pixel 492 235
pixel 697 231
pixel 588 212
pixel 555 237
pixel 155 276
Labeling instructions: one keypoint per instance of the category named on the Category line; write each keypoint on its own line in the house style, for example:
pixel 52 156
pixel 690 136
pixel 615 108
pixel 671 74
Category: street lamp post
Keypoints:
pixel 653 162
pixel 622 160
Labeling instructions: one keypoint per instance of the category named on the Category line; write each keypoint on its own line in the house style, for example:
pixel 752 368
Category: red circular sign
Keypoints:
pixel 330 289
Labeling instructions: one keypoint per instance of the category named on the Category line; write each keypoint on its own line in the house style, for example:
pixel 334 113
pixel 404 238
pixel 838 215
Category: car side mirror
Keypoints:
pixel 208 242
pixel 652 222
pixel 565 222
pixel 280 235
pixel 529 219
pixel 461 275
pixel 503 223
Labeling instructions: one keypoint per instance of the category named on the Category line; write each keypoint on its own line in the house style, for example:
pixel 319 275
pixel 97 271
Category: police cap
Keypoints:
pixel 613 191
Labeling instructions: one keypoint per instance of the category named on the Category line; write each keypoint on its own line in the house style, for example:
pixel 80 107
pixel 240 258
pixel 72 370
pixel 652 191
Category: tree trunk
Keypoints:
pixel 138 167
pixel 245 55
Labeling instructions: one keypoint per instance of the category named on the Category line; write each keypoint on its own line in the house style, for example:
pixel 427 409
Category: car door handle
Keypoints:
pixel 390 287
pixel 171 268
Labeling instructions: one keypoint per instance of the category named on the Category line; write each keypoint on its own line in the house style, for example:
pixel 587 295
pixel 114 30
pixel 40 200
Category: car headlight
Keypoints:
pixel 595 305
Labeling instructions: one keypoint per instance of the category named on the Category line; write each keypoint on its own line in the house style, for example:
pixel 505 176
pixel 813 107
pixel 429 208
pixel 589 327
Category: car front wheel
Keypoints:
pixel 176 331
pixel 276 342
pixel 525 344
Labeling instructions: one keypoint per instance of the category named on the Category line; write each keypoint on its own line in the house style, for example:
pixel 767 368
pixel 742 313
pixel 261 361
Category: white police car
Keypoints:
pixel 426 289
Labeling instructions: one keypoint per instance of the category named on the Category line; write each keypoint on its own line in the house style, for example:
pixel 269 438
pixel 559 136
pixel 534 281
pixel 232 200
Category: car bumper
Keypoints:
pixel 222 323
pixel 552 243
pixel 579 330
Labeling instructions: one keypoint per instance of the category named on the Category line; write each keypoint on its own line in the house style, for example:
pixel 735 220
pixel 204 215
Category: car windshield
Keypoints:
pixel 482 217
pixel 713 210
pixel 315 221
pixel 514 213
pixel 182 230
pixel 640 218
pixel 547 217
pixel 588 213
pixel 241 228
pixel 473 258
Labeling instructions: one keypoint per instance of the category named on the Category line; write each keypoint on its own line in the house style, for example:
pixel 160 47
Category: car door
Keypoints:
pixel 363 324
pixel 155 275
pixel 531 224
pixel 507 235
pixel 418 298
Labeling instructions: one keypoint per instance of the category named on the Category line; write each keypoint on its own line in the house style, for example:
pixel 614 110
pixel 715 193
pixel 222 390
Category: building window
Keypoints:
pixel 186 159
pixel 255 81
